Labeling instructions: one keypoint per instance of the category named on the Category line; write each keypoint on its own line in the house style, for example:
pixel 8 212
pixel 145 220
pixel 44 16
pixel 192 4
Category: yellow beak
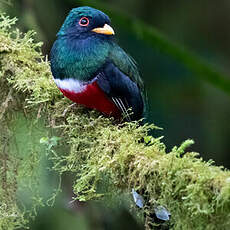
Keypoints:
pixel 106 29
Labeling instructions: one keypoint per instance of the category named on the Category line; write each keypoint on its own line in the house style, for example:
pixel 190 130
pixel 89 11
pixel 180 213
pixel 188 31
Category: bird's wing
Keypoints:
pixel 124 92
pixel 126 64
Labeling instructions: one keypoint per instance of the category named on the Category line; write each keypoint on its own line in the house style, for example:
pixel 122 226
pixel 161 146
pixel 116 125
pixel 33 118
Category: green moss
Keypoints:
pixel 23 64
pixel 20 151
pixel 196 192
pixel 189 187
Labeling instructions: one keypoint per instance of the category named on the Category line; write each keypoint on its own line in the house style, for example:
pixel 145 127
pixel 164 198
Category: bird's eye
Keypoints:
pixel 84 21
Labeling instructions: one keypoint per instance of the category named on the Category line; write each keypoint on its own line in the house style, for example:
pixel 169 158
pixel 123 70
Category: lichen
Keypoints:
pixel 121 156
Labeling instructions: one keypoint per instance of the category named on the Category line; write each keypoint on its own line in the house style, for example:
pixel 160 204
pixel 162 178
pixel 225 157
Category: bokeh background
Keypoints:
pixel 179 102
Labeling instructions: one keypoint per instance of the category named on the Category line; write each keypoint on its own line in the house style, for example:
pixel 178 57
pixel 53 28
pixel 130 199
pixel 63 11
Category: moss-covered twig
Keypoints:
pixel 196 193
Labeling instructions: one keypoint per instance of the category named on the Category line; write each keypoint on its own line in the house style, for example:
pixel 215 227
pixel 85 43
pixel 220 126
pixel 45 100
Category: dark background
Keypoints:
pixel 179 102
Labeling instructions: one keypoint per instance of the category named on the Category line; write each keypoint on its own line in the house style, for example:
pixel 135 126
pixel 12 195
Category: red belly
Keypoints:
pixel 93 97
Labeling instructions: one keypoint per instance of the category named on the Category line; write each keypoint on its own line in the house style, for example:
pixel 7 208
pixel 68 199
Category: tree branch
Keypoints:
pixel 196 192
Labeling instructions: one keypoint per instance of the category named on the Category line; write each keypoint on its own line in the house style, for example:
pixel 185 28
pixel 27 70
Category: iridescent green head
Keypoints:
pixel 86 21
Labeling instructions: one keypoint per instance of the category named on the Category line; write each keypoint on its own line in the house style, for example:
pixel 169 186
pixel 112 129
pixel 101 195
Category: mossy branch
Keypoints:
pixel 196 192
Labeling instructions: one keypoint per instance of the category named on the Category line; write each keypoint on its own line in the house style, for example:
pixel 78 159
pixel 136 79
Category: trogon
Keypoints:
pixel 91 69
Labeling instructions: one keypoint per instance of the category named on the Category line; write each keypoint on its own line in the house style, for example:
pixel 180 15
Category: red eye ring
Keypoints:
pixel 84 21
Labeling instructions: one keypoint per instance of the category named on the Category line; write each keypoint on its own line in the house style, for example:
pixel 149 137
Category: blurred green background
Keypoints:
pixel 179 102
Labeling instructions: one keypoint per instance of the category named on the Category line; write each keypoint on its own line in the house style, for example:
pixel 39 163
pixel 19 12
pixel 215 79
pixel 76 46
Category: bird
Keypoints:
pixel 91 69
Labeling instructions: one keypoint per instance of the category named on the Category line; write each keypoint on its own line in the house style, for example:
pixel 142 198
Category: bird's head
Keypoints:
pixel 86 21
